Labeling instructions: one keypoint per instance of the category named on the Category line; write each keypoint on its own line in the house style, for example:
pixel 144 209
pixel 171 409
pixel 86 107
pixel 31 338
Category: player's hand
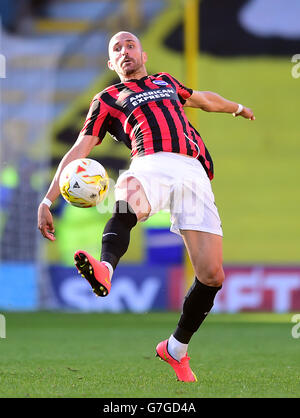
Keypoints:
pixel 45 222
pixel 247 113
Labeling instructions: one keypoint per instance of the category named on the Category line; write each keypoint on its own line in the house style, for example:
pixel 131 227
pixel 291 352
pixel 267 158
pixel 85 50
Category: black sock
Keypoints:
pixel 116 234
pixel 197 303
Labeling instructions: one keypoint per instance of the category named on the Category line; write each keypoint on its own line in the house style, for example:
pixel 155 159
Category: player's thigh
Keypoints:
pixel 206 254
pixel 132 191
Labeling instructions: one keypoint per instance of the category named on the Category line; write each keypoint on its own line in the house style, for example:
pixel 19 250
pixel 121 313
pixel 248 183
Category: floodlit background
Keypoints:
pixel 53 61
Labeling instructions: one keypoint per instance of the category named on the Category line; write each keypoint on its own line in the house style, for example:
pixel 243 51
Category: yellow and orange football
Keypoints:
pixel 84 183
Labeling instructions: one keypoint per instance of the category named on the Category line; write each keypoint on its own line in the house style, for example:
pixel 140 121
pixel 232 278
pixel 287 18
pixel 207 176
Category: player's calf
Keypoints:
pixel 116 234
pixel 197 304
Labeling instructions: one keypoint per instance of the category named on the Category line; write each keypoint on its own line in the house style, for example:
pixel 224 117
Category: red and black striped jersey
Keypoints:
pixel 148 116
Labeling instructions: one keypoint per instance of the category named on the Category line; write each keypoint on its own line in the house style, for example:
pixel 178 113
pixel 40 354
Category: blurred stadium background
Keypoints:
pixel 55 55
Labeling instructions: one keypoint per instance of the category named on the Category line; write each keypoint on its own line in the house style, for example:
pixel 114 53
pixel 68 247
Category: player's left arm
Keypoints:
pixel 213 102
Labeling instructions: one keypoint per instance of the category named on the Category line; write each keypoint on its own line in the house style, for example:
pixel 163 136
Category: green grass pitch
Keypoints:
pixel 56 355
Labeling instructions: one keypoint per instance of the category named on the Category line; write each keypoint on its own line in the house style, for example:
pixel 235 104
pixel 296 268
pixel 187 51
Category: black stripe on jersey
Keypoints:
pixel 194 140
pixel 168 80
pixel 188 145
pixel 154 126
pixel 171 124
pixel 189 150
pixel 200 157
pixel 95 108
pixel 182 101
pixel 209 159
pixel 187 139
pixel 117 132
pixel 138 133
pixel 104 127
pixel 171 80
pixel 207 155
pixel 111 101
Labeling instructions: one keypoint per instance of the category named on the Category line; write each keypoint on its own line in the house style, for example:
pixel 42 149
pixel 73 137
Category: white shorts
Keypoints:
pixel 180 185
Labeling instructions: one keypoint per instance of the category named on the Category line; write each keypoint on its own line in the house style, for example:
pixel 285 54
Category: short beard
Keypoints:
pixel 133 70
pixel 129 72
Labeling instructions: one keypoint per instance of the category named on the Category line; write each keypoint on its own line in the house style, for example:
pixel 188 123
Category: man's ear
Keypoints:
pixel 145 57
pixel 110 65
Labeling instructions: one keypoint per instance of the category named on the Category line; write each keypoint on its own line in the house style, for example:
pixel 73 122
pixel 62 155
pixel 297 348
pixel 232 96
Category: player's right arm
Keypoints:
pixel 81 149
pixel 92 134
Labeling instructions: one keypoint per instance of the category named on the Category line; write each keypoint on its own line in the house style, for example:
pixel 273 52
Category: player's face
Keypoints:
pixel 126 54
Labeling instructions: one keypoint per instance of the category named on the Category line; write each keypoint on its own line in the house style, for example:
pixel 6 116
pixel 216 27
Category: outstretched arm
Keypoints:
pixel 213 102
pixel 80 149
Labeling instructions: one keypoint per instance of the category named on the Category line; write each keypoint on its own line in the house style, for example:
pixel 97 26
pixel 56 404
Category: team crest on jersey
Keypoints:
pixel 160 82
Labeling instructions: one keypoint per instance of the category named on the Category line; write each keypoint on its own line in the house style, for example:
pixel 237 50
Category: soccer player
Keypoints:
pixel 170 169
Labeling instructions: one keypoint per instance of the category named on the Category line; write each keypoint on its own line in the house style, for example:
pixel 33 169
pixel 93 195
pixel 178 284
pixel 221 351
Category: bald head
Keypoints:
pixel 122 36
pixel 126 56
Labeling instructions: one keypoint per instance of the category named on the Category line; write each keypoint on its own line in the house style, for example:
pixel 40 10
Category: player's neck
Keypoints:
pixel 133 76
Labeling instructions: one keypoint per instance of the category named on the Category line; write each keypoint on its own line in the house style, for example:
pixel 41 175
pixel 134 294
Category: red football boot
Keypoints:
pixel 181 368
pixel 94 271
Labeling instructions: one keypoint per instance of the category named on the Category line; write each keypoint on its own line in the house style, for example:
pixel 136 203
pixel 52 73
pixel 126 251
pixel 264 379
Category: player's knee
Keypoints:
pixel 131 191
pixel 211 275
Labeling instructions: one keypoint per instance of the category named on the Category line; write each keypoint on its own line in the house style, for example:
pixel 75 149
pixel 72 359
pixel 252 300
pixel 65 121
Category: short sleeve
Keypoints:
pixel 183 92
pixel 97 119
